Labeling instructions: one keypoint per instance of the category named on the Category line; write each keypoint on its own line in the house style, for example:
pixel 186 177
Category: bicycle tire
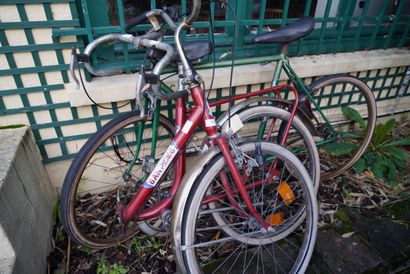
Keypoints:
pixel 309 153
pixel 332 93
pixel 90 174
pixel 193 237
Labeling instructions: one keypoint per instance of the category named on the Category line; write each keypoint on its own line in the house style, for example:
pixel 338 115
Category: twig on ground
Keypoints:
pixel 68 256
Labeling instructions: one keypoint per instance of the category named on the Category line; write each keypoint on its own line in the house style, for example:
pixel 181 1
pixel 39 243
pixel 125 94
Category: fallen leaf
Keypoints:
pixel 348 234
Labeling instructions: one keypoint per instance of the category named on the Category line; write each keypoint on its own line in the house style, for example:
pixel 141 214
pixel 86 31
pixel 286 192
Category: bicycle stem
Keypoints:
pixel 185 25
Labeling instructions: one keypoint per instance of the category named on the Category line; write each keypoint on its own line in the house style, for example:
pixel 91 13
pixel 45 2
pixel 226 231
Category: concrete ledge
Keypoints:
pixel 26 202
pixel 122 87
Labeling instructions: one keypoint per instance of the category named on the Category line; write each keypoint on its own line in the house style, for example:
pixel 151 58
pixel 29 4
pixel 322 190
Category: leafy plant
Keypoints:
pixel 60 236
pixel 103 268
pixel 383 157
pixel 57 210
pixel 154 243
pixel 342 149
pixel 117 269
pixel 11 126
pixel 137 244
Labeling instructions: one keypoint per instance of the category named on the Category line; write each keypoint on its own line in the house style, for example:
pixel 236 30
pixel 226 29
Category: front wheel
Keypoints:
pixel 103 171
pixel 219 236
pixel 349 107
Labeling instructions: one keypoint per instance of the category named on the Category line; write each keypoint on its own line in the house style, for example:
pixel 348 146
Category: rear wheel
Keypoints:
pixel 350 107
pixel 219 236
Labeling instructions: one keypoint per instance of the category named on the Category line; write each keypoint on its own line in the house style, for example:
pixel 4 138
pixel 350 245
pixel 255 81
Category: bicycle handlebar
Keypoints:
pixel 149 41
pixel 125 38
pixel 146 41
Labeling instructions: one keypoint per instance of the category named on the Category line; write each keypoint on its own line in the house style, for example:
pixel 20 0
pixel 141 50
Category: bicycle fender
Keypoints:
pixel 200 161
pixel 244 104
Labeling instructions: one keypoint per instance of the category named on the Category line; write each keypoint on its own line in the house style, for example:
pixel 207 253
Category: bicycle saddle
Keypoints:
pixel 194 50
pixel 289 33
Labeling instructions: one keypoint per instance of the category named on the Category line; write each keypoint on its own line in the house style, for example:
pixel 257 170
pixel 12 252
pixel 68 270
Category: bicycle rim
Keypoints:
pixel 208 247
pixel 349 105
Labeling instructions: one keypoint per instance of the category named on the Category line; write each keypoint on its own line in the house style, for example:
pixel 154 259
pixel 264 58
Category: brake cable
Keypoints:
pixel 94 102
pixel 226 3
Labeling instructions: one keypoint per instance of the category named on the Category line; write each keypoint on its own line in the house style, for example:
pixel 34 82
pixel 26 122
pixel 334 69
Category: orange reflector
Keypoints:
pixel 218 235
pixel 276 218
pixel 286 193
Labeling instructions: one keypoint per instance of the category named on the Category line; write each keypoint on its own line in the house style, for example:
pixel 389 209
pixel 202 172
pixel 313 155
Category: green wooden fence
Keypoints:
pixel 341 25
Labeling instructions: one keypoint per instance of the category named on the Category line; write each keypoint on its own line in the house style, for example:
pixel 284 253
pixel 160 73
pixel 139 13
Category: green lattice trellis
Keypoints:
pixel 395 35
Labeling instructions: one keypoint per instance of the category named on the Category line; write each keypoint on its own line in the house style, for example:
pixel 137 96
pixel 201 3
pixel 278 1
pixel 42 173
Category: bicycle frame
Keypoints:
pixel 132 211
pixel 200 115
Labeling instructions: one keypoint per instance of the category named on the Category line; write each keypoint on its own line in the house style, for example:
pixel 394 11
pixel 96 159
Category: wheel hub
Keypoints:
pixel 325 131
pixel 253 224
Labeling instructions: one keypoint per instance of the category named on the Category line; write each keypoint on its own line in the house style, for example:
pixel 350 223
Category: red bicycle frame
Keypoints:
pixel 185 127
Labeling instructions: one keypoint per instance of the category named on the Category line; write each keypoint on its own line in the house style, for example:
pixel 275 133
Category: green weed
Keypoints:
pixel 384 157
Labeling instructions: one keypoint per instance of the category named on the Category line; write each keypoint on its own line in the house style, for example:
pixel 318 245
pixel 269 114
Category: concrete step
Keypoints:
pixel 27 199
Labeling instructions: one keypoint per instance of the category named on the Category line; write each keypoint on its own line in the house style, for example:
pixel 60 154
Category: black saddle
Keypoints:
pixel 289 33
pixel 194 50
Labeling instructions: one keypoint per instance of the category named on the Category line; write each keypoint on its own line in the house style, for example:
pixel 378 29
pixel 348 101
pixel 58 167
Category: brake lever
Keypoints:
pixel 77 58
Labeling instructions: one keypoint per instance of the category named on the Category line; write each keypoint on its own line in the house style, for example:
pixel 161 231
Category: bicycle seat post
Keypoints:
pixel 284 49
